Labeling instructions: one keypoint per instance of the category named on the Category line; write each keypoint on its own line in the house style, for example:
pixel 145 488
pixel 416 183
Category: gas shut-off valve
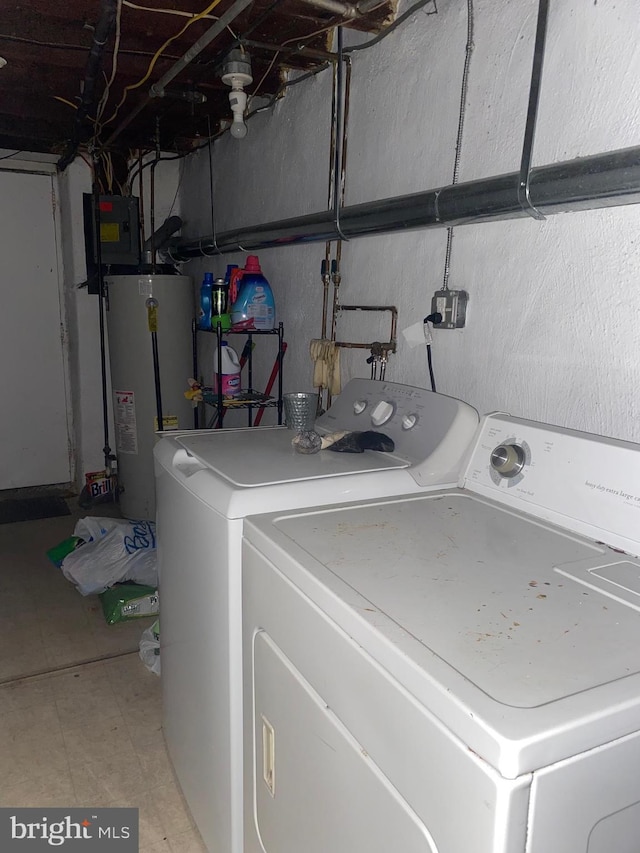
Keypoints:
pixel 236 72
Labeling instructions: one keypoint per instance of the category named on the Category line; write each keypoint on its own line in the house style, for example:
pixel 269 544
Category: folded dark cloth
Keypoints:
pixel 358 442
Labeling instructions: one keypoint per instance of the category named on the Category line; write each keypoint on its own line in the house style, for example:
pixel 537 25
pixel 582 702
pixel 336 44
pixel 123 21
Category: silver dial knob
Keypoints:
pixel 508 459
pixel 359 406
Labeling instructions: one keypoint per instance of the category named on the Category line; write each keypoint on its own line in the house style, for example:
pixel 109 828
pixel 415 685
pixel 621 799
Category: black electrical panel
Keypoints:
pixel 119 234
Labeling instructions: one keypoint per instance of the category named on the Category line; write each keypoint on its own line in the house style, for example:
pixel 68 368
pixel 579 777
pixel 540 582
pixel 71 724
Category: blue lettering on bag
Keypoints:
pixel 142 537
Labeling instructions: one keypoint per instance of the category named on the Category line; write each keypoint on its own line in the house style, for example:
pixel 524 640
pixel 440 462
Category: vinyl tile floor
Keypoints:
pixel 80 715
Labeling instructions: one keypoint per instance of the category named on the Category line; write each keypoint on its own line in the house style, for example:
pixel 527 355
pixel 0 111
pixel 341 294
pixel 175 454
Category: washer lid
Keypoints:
pixel 462 600
pixel 249 458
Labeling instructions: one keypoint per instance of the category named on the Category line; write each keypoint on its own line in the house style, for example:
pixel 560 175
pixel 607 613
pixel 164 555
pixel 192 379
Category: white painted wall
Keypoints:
pixel 35 432
pixel 552 327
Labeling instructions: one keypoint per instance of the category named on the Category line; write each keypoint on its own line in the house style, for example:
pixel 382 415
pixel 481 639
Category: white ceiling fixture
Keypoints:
pixel 236 72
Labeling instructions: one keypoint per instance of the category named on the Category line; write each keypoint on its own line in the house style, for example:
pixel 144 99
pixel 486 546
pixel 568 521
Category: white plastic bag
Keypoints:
pixel 150 647
pixel 119 550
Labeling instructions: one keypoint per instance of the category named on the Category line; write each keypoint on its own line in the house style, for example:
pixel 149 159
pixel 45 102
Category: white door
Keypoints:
pixel 34 429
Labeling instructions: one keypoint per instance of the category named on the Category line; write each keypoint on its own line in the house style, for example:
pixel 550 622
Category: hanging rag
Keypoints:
pixel 326 371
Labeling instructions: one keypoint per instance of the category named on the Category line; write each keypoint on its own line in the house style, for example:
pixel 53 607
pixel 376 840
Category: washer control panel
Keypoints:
pixel 560 474
pixel 417 420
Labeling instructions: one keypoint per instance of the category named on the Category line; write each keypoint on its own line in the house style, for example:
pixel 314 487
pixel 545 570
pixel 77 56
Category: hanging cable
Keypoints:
pixel 302 40
pixel 65 101
pixel 461 118
pixel 340 140
pixel 430 366
pixel 108 456
pixel 174 12
pixel 101 35
pixel 157 56
pixel 114 67
pixel 213 218
pixel 428 337
pixel 394 25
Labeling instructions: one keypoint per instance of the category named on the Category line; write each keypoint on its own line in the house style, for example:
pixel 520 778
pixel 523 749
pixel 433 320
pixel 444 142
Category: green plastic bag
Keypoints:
pixel 126 601
pixel 63 549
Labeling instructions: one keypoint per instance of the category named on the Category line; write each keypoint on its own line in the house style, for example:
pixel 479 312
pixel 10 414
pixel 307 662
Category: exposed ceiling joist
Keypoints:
pixel 46 47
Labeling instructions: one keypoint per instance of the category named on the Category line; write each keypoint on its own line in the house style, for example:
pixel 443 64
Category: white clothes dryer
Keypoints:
pixel 206 483
pixel 451 671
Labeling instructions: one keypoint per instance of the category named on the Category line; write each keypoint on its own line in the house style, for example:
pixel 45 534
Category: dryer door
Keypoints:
pixel 314 786
pixel 589 803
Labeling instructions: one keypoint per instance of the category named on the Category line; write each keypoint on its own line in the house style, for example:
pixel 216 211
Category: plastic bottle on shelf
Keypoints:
pixel 228 372
pixel 220 305
pixel 229 272
pixel 204 318
pixel 254 299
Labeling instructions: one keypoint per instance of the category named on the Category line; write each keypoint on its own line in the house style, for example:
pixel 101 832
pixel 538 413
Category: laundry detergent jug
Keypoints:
pixel 252 297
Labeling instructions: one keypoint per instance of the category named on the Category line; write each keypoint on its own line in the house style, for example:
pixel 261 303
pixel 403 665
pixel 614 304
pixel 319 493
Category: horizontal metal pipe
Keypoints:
pixel 337 7
pixel 314 53
pixel 602 180
pixel 365 6
pixel 157 90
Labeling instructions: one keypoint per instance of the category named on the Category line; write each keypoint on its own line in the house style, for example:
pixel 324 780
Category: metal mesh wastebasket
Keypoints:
pixel 300 410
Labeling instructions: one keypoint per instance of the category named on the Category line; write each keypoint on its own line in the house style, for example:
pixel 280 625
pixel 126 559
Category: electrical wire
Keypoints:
pixel 430 365
pixel 175 197
pixel 394 25
pixel 459 135
pixel 312 73
pixel 114 67
pixel 165 11
pixel 302 40
pixel 65 101
pixel 157 56
pixel 81 47
pixel 174 12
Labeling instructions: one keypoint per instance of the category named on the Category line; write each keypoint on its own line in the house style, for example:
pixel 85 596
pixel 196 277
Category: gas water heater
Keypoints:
pixel 149 319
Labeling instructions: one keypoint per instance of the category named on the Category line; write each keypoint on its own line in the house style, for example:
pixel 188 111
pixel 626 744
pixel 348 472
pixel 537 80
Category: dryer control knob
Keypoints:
pixel 508 459
pixel 409 421
pixel 359 406
pixel 382 412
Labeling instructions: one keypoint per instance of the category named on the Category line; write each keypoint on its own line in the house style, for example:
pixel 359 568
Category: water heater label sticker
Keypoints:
pixel 124 415
pixel 145 286
pixel 169 422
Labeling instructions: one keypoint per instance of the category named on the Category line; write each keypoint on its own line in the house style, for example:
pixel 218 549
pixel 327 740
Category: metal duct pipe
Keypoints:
pixel 337 7
pixel 602 180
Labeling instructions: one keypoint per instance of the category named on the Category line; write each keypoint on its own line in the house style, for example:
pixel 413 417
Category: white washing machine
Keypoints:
pixel 456 671
pixel 206 483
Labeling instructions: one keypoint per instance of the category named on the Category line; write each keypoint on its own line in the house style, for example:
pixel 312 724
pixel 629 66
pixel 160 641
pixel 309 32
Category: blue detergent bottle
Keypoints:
pixel 255 298
pixel 204 318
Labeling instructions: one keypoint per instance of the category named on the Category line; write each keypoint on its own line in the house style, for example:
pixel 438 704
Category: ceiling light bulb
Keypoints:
pixel 238 128
pixel 238 103
pixel 236 72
